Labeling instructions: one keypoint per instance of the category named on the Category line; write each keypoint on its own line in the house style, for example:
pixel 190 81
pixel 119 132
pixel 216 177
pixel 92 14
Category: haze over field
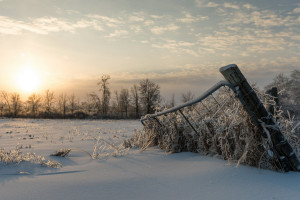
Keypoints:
pixel 67 45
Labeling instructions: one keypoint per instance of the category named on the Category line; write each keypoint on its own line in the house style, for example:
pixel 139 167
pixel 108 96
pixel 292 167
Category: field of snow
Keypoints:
pixel 151 174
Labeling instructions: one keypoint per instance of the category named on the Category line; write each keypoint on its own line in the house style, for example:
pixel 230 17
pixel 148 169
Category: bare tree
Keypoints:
pixel 73 103
pixel 149 95
pixel 49 100
pixel 34 103
pixel 171 103
pixel 295 85
pixel 135 99
pixel 124 101
pixel 282 82
pixel 116 107
pixel 94 103
pixel 15 104
pixel 63 103
pixel 5 97
pixel 105 93
pixel 185 97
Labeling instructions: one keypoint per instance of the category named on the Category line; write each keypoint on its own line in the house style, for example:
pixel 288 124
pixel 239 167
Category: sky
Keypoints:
pixel 67 45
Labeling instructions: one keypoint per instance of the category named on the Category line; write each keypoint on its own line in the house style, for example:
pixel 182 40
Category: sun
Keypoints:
pixel 28 79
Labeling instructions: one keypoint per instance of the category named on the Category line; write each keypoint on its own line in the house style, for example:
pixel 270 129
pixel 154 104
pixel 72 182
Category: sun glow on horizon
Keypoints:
pixel 28 79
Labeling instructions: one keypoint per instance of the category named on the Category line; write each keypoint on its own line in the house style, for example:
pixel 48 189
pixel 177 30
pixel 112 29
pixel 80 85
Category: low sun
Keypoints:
pixel 28 80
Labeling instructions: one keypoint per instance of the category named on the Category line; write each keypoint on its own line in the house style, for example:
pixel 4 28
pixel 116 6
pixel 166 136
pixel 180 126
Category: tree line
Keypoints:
pixel 138 100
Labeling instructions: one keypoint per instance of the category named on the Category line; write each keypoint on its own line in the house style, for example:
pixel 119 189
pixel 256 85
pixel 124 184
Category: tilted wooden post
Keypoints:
pixel 261 117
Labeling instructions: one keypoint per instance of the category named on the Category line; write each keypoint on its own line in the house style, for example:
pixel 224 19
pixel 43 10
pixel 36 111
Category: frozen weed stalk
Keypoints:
pixel 228 121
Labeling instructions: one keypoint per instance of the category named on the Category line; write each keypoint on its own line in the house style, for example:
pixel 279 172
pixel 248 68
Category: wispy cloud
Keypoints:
pixel 297 10
pixel 188 18
pixel 179 47
pixel 118 33
pixel 230 5
pixel 206 4
pixel 13 27
pixel 161 29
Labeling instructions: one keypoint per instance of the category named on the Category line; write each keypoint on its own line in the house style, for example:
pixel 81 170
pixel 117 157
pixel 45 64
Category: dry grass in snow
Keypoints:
pixel 225 131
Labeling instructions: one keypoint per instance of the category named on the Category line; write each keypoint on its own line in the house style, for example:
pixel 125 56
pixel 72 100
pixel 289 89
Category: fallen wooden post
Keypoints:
pixel 262 118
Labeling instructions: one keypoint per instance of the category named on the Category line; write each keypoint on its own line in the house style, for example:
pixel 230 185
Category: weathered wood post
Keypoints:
pixel 261 118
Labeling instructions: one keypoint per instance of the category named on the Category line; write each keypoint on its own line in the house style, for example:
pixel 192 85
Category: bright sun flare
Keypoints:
pixel 28 80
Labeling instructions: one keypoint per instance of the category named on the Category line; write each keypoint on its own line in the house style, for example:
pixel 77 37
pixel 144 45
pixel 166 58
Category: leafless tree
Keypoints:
pixel 16 104
pixel 135 99
pixel 295 85
pixel 282 82
pixel 105 93
pixel 172 101
pixel 63 103
pixel 185 97
pixel 149 95
pixel 116 107
pixel 124 101
pixel 49 100
pixel 34 103
pixel 94 103
pixel 73 103
pixel 5 97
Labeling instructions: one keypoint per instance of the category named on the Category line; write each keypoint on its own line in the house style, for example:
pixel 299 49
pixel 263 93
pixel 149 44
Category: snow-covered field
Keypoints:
pixel 151 174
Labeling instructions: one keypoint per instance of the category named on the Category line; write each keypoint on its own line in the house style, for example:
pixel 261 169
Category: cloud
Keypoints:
pixel 233 6
pixel 13 27
pixel 297 10
pixel 205 4
pixel 179 47
pixel 157 30
pixel 258 18
pixel 188 18
pixel 249 6
pixel 136 19
pixel 212 5
pixel 117 33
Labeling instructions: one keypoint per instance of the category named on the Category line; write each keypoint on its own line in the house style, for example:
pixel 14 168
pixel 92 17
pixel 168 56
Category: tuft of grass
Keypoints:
pixel 17 157
pixel 102 149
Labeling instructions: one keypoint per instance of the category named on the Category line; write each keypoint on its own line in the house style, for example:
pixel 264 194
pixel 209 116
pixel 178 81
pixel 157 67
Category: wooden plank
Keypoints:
pixel 261 117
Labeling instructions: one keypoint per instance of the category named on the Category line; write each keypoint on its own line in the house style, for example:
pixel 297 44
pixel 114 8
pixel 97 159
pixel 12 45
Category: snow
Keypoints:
pixel 151 174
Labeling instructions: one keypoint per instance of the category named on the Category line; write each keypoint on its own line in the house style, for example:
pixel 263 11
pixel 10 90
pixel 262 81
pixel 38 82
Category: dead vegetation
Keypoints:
pixel 17 157
pixel 223 129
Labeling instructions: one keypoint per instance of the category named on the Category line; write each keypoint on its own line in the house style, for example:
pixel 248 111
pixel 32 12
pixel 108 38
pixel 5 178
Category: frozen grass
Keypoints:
pixel 225 131
pixel 102 149
pixel 17 157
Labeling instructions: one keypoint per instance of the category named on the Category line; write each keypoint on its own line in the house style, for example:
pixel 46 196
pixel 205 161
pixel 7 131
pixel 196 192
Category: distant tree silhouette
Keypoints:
pixel 185 97
pixel 105 93
pixel 135 99
pixel 124 101
pixel 34 103
pixel 149 95
pixel 295 85
pixel 5 97
pixel 94 103
pixel 49 100
pixel 73 103
pixel 16 104
pixel 63 103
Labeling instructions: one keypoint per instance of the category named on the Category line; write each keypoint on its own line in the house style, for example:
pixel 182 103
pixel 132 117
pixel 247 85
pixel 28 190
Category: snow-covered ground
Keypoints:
pixel 151 174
